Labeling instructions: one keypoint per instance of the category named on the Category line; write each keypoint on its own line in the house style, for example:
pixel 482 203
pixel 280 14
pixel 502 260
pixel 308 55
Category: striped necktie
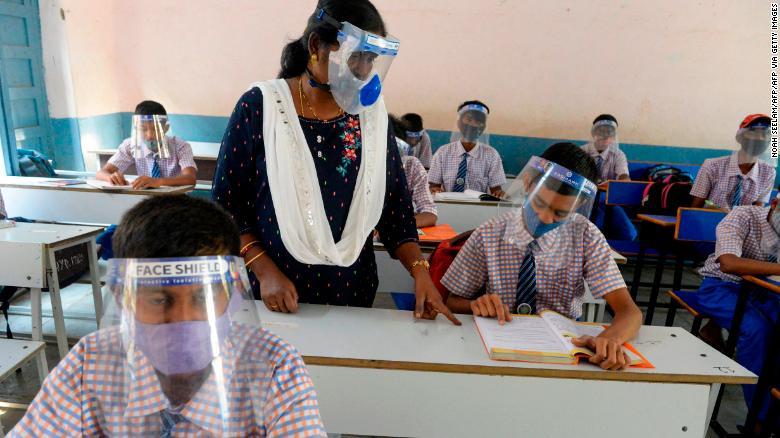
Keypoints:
pixel 156 168
pixel 599 165
pixel 525 301
pixel 460 180
pixel 771 258
pixel 737 199
pixel 169 421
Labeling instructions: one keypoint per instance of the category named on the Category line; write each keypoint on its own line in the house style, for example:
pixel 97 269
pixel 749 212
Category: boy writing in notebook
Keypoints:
pixel 159 159
pixel 539 255
pixel 748 242
pixel 176 354
pixel 745 177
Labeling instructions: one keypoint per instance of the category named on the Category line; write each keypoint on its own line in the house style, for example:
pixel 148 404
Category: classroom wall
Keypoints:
pixel 678 74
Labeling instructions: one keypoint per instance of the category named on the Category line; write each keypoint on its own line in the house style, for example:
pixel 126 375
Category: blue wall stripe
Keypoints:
pixel 110 129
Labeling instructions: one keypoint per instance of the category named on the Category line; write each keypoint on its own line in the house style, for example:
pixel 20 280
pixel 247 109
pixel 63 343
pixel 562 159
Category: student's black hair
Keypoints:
pixel 150 108
pixel 399 126
pixel 413 121
pixel 175 226
pixel 571 157
pixel 473 102
pixel 605 117
pixel 360 13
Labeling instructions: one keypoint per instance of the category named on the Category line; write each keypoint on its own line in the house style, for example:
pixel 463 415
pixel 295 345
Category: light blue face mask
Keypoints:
pixel 534 224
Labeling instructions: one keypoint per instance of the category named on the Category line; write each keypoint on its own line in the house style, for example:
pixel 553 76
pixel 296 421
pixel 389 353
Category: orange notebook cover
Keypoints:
pixel 436 233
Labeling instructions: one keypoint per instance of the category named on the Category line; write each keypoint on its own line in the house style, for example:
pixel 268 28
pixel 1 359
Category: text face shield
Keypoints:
pixel 179 342
pixel 754 145
pixel 471 125
pixel 604 135
pixel 549 195
pixel 149 136
pixel 358 68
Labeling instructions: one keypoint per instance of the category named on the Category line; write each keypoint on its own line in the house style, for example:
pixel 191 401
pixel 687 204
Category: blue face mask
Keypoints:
pixel 534 225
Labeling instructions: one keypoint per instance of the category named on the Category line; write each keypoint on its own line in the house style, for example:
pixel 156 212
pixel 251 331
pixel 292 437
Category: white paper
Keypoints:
pixel 521 333
pixel 468 195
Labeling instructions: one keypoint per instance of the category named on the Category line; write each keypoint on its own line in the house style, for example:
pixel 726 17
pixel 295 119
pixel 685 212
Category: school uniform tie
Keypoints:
pixel 525 301
pixel 599 165
pixel 169 421
pixel 735 201
pixel 772 258
pixel 460 180
pixel 156 168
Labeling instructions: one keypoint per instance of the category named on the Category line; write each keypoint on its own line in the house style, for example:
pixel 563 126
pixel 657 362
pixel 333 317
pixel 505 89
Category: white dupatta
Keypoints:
pixel 295 189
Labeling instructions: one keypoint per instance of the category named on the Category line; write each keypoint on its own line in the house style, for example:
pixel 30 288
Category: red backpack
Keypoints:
pixel 441 258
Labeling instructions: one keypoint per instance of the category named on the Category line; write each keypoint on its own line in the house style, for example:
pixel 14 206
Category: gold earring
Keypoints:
pixel 314 58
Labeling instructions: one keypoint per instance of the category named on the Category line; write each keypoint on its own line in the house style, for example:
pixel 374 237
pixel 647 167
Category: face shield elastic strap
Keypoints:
pixel 323 16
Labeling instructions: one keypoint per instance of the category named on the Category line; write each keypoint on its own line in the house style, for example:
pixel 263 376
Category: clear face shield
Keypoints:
pixel 471 125
pixel 754 145
pixel 546 195
pixel 604 135
pixel 359 66
pixel 149 134
pixel 414 137
pixel 175 333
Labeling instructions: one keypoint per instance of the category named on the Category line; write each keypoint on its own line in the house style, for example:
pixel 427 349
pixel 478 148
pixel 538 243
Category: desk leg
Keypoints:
pixel 36 313
pixel 640 261
pixel 94 275
pixel 676 285
pixel 659 272
pixel 43 365
pixel 56 306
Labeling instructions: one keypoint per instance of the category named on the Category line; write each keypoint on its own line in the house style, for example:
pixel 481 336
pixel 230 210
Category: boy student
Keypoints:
pixel 538 256
pixel 611 163
pixel 748 242
pixel 418 138
pixel 742 178
pixel 160 160
pixel 170 358
pixel 416 178
pixel 468 162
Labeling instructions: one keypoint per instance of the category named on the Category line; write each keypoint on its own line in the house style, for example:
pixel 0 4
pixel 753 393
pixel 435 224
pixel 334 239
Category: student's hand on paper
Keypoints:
pixel 490 305
pixel 609 351
pixel 498 193
pixel 278 292
pixel 428 302
pixel 118 179
pixel 146 182
pixel 436 189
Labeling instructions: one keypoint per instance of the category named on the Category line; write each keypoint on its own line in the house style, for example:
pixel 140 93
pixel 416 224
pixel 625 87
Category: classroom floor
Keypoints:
pixel 77 304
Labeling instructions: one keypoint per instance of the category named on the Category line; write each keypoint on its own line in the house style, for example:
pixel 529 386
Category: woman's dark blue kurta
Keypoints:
pixel 241 187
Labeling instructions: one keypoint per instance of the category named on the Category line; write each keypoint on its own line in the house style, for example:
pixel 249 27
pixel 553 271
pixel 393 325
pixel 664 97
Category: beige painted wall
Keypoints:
pixel 674 72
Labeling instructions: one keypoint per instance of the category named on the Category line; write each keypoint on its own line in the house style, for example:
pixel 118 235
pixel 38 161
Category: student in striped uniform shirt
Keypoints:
pixel 540 255
pixel 171 357
pixel 748 243
pixel 745 177
pixel 159 159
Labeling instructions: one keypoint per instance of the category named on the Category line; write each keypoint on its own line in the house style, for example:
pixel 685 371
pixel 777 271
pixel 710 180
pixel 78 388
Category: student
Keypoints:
pixel 170 358
pixel 748 242
pixel 416 178
pixel 611 163
pixel 742 178
pixel 417 137
pixel 540 255
pixel 468 163
pixel 160 160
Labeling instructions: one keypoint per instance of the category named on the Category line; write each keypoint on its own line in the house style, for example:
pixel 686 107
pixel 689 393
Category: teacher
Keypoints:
pixel 309 167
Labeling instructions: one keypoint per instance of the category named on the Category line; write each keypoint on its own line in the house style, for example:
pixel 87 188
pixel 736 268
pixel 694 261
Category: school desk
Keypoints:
pixel 205 155
pixel 16 353
pixel 32 198
pixel 379 372
pixel 28 250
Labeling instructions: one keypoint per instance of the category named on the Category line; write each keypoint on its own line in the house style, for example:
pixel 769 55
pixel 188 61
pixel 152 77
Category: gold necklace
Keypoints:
pixel 302 97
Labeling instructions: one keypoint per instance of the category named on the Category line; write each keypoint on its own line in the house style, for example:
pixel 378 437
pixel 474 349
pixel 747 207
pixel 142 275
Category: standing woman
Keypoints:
pixel 309 167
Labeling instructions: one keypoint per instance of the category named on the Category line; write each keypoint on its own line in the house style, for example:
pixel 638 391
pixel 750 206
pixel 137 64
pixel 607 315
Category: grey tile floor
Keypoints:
pixel 22 386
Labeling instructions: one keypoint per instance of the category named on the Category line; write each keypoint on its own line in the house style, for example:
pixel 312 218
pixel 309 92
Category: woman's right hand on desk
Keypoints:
pixel 278 292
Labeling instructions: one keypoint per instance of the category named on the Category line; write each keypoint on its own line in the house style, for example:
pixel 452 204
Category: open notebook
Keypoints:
pixel 544 338
pixel 466 195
